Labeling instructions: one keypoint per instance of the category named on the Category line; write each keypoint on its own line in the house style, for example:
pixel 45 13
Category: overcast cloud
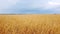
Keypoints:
pixel 33 6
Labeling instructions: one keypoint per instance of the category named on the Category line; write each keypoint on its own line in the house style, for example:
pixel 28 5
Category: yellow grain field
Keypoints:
pixel 29 24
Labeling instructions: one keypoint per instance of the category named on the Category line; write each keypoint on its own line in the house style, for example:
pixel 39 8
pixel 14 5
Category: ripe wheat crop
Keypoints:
pixel 29 24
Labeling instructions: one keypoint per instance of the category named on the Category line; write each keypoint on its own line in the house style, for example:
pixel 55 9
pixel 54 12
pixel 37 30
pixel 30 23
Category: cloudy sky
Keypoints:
pixel 29 6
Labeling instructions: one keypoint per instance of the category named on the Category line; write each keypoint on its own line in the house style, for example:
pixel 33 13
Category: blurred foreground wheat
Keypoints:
pixel 29 24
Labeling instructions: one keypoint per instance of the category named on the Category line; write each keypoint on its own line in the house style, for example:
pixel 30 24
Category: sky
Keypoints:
pixel 29 6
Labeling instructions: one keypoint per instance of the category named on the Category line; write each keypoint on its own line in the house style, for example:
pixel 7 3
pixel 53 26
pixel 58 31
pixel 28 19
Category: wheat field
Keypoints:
pixel 29 24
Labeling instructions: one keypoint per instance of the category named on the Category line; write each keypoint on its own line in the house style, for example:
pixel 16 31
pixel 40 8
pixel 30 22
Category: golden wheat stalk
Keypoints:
pixel 29 24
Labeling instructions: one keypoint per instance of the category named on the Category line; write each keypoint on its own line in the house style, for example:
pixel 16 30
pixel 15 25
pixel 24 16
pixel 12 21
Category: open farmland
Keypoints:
pixel 30 24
